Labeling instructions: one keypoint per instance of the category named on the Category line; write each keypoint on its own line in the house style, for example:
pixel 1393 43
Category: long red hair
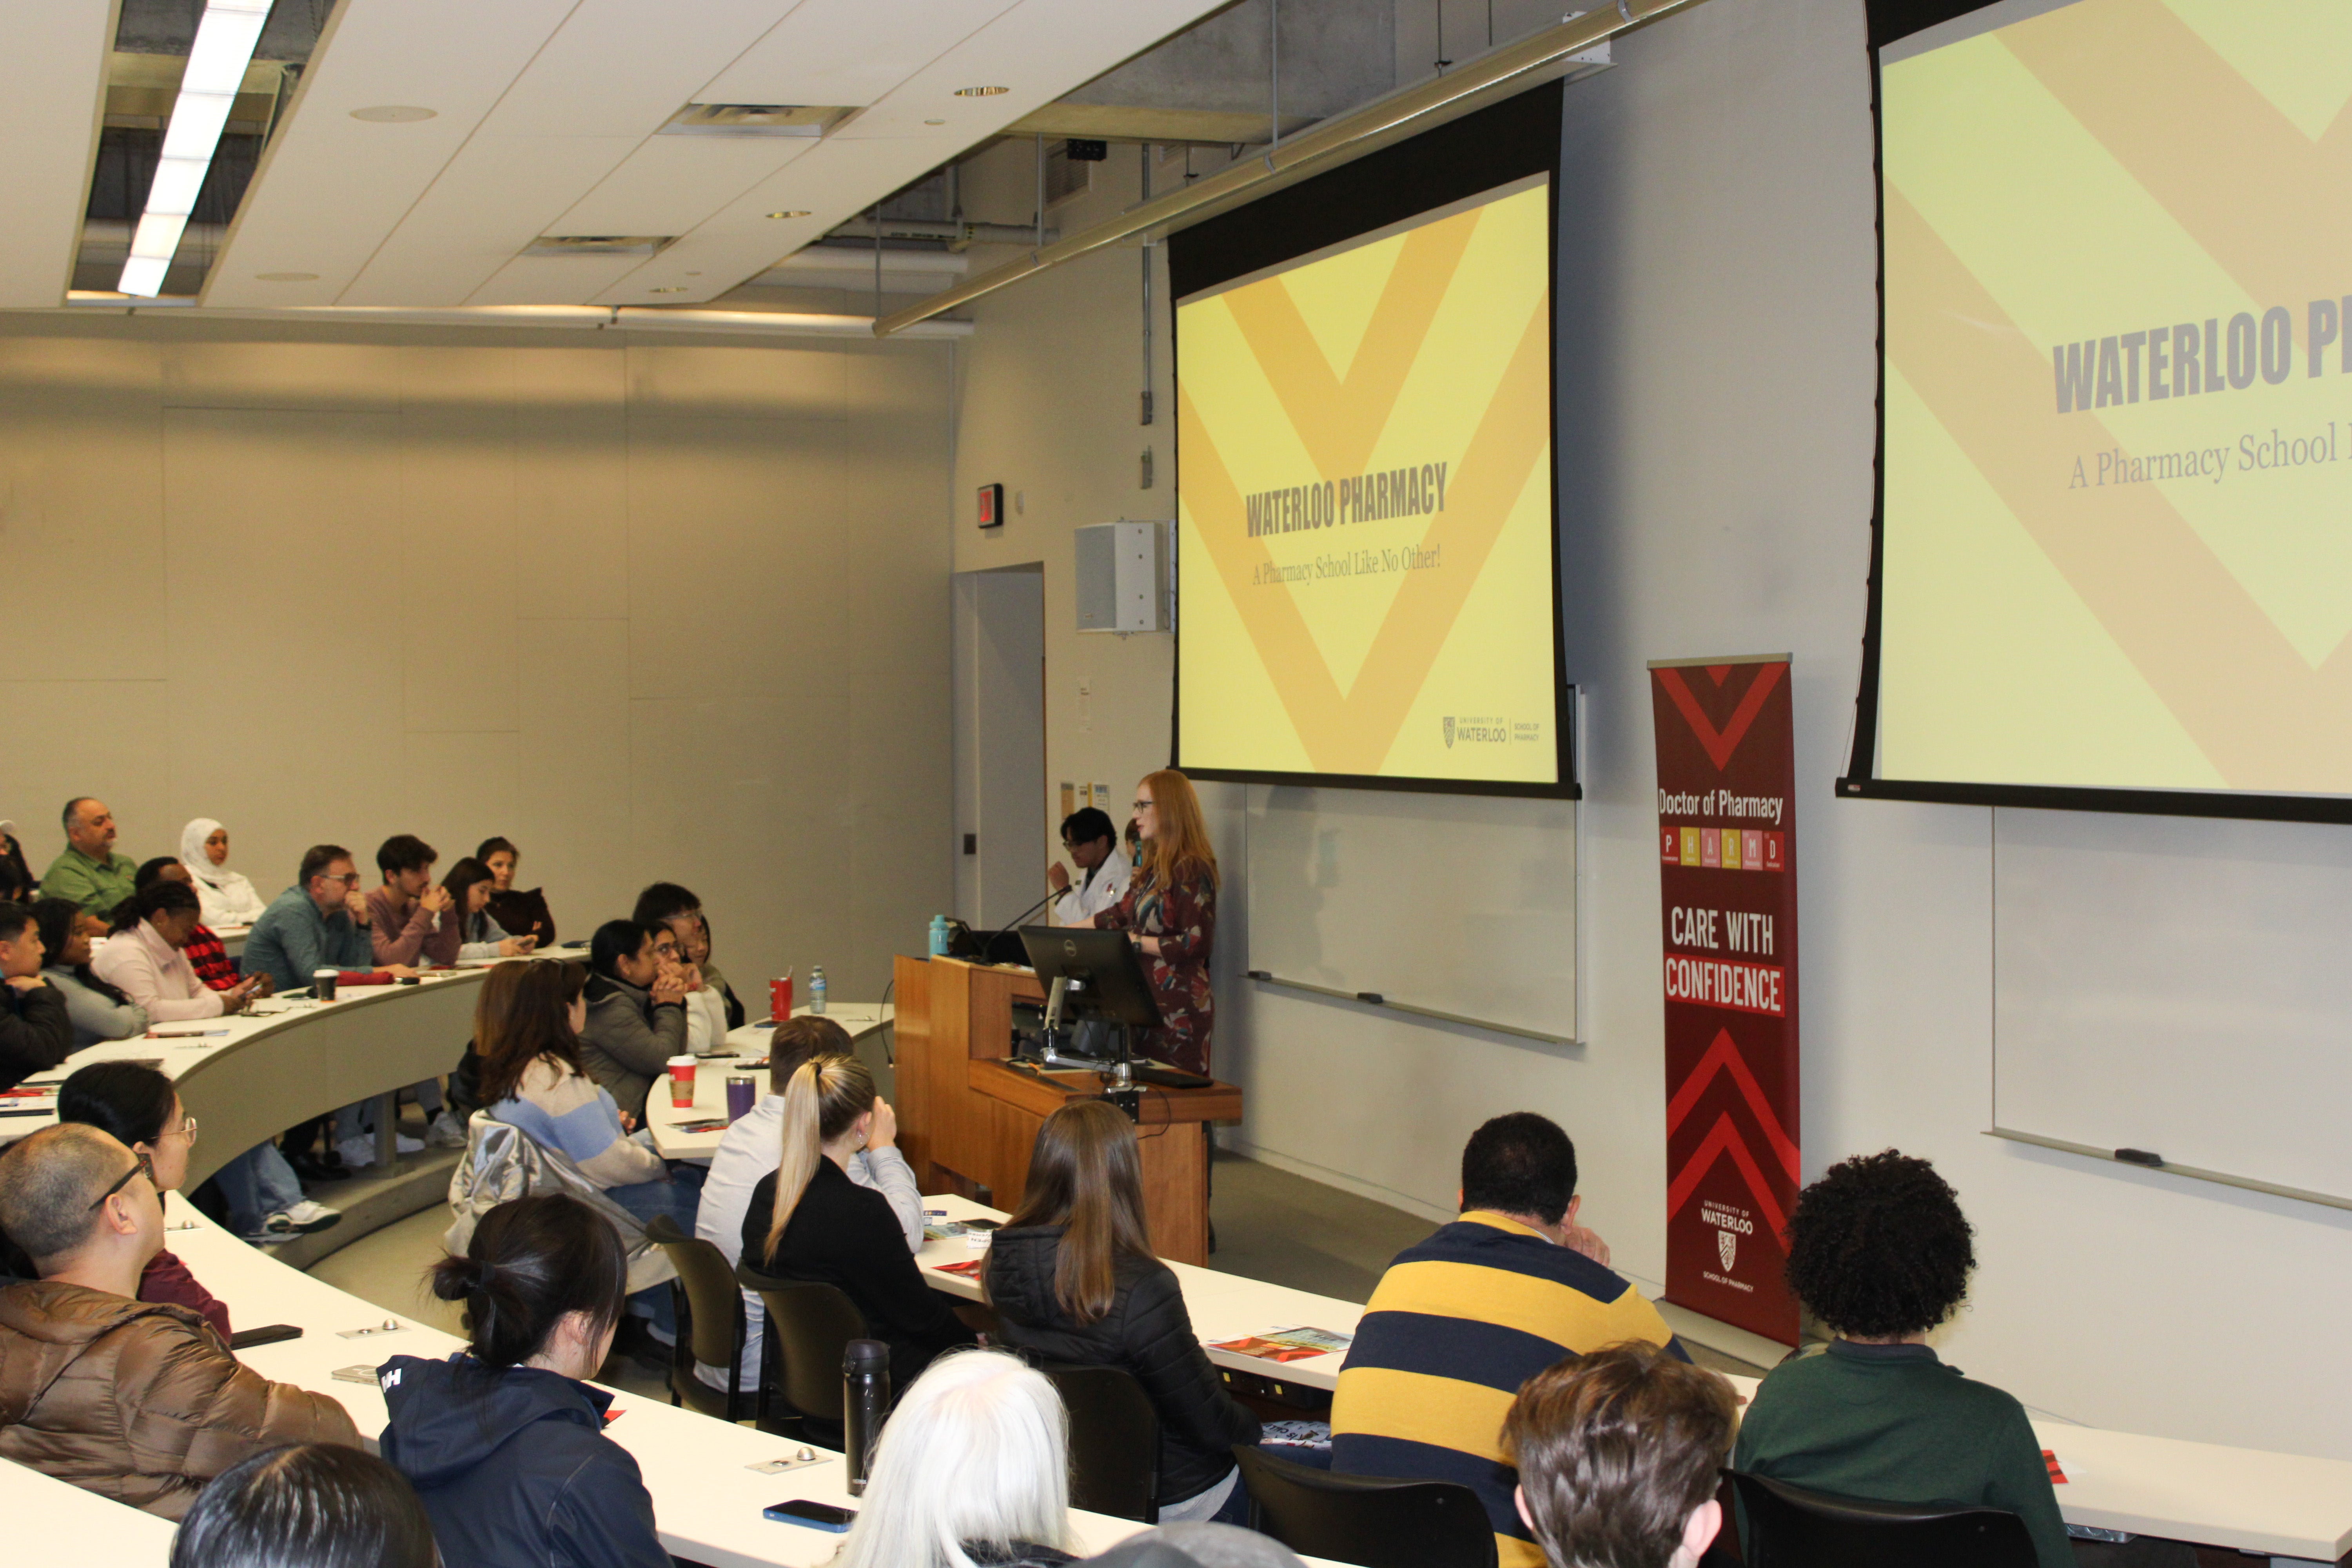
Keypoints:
pixel 1178 849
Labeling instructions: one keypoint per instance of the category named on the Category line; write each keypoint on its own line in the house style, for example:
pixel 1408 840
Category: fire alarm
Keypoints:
pixel 991 506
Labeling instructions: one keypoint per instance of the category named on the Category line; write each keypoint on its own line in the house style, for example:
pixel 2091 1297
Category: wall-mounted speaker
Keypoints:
pixel 1122 577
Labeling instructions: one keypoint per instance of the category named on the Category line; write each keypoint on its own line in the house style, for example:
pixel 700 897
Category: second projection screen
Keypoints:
pixel 1365 507
pixel 2118 398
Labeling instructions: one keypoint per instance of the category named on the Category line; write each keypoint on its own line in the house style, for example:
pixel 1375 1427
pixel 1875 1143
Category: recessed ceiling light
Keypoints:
pixel 287 276
pixel 393 114
pixel 796 212
pixel 226 32
pixel 982 91
pixel 668 288
pixel 935 122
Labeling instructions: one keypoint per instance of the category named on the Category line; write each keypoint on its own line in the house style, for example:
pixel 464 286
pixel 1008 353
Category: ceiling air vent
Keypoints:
pixel 597 243
pixel 755 120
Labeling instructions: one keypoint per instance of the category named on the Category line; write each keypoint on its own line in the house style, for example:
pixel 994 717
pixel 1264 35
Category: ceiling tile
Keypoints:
pixel 621 68
pixel 848 51
pixel 53 60
pixel 672 183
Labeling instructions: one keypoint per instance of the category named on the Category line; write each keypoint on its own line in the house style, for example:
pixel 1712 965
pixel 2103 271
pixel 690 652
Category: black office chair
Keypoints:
pixel 1790 1527
pixel 1114 1442
pixel 710 1325
pixel 1367 1520
pixel 808 1328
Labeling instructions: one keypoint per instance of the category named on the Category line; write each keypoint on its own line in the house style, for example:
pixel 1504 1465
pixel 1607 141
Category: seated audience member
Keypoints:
pixel 99 1011
pixel 1619 1457
pixel 808 1221
pixel 203 950
pixel 16 884
pixel 505 1440
pixel 88 873
pixel 694 947
pixel 137 1400
pixel 229 897
pixel 1198 1545
pixel 1073 1278
pixel 706 1010
pixel 1880 1252
pixel 321 922
pixel 754 1144
pixel 406 910
pixel 36 1034
pixel 1486 1303
pixel 145 958
pixel 668 904
pixel 527 1029
pixel 1093 847
pixel 636 1015
pixel 314 1505
pixel 972 1469
pixel 466 931
pixel 523 913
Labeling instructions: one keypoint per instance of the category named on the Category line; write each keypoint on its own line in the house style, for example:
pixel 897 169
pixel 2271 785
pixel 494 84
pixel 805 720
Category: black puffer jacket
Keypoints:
pixel 34 1033
pixel 1147 1334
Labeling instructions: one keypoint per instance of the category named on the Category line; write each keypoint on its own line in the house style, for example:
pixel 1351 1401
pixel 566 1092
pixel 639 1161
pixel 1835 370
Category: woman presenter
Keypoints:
pixel 1171 914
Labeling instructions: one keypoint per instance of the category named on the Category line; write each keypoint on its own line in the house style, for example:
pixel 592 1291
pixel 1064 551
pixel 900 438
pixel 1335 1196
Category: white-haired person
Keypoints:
pixel 972 1471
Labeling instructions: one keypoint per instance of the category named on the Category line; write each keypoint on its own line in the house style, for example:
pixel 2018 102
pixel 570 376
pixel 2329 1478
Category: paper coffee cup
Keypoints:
pixel 681 1082
pixel 322 983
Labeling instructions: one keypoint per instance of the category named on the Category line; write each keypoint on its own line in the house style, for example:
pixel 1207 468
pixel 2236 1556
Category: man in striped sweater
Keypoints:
pixel 1461 1320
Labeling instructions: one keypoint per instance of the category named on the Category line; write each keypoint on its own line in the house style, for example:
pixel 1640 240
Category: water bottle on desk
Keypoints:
pixel 938 936
pixel 817 989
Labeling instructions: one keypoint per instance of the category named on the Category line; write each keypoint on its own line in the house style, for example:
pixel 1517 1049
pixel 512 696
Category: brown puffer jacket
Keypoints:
pixel 137 1401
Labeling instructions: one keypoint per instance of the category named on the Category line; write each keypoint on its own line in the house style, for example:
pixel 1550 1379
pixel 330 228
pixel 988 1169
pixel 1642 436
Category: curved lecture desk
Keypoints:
pixel 268 1073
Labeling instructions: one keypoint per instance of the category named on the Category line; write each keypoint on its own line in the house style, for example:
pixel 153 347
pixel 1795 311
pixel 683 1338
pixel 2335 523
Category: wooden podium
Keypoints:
pixel 968 1117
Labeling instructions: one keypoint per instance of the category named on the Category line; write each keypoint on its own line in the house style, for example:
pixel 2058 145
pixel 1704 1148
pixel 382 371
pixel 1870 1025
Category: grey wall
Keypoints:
pixel 649 607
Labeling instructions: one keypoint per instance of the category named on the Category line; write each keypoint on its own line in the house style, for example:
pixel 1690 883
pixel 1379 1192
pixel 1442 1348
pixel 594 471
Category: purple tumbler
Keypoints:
pixel 742 1093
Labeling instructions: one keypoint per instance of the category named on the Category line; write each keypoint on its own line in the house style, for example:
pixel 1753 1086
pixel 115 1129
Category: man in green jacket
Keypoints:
pixel 89 872
pixel 1879 1249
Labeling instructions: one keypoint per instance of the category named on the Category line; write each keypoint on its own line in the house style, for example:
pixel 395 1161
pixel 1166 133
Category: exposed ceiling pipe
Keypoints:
pixel 956 232
pixel 1537 57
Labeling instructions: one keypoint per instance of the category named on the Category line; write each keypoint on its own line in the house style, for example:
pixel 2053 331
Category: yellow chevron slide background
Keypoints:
pixel 1385 410
pixel 2155 591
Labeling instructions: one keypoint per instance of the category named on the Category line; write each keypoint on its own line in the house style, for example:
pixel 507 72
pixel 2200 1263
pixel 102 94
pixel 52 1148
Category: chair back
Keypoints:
pixel 502 1162
pixel 808 1328
pixel 1367 1520
pixel 1790 1527
pixel 710 1323
pixel 1114 1442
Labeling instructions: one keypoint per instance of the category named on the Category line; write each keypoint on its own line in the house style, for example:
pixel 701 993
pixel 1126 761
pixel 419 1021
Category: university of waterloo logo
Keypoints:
pixel 1327 425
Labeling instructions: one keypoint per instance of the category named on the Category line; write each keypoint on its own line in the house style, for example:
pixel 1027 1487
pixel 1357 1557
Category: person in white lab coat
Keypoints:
pixel 1093 846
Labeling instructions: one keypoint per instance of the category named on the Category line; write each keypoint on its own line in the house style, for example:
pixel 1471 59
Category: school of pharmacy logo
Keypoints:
pixel 1449 731
pixel 1726 1246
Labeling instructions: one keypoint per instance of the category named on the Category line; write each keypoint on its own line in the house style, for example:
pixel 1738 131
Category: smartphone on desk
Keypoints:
pixel 246 1338
pixel 816 1515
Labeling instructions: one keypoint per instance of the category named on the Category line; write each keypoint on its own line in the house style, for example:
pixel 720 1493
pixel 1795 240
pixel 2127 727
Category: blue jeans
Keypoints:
pixel 679 1197
pixel 257 1183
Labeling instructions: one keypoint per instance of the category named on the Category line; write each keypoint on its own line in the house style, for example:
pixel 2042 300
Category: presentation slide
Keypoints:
pixel 2118 398
pixel 1365 564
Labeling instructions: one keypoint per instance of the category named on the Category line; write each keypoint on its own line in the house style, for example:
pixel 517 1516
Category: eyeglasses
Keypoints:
pixel 141 1169
pixel 1139 806
pixel 186 1129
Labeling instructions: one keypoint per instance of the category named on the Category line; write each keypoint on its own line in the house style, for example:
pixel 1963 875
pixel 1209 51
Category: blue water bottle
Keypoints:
pixel 817 990
pixel 938 936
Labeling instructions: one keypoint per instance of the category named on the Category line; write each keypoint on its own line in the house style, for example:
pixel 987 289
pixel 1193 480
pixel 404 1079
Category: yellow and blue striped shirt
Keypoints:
pixel 1455 1326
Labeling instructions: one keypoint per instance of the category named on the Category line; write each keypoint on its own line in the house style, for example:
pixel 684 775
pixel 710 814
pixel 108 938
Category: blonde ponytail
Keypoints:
pixel 824 1101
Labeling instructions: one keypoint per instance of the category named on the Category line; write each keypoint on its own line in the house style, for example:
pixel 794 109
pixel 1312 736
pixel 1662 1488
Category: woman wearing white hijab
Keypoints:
pixel 228 899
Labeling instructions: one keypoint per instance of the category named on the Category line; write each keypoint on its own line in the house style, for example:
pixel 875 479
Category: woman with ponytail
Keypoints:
pixel 1073 1278
pixel 505 1441
pixel 809 1222
pixel 1170 910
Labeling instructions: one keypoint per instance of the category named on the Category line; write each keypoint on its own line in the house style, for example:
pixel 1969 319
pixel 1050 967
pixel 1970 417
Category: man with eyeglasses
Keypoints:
pixel 321 922
pixel 137 1401
pixel 1093 846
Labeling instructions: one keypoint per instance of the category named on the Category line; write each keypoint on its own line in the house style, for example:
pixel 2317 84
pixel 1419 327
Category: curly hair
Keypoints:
pixel 1878 1248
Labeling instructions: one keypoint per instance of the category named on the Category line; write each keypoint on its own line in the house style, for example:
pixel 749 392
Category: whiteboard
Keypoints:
pixel 1459 905
pixel 2179 987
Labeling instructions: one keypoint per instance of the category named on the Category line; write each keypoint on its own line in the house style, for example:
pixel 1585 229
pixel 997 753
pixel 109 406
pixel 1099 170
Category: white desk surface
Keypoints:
pixel 749 1043
pixel 57 1521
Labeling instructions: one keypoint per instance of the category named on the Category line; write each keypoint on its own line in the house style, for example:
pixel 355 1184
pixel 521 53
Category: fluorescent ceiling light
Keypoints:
pixel 224 47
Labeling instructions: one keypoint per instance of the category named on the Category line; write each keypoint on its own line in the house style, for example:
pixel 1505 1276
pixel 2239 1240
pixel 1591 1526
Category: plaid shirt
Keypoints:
pixel 210 960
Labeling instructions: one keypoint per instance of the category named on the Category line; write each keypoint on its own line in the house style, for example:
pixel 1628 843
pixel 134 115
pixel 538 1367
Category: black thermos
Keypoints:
pixel 865 1402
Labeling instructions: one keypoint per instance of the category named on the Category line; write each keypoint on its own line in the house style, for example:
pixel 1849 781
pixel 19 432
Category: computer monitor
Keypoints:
pixel 1107 978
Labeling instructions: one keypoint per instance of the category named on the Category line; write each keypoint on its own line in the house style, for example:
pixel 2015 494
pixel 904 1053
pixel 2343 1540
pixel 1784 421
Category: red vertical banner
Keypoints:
pixel 1728 887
